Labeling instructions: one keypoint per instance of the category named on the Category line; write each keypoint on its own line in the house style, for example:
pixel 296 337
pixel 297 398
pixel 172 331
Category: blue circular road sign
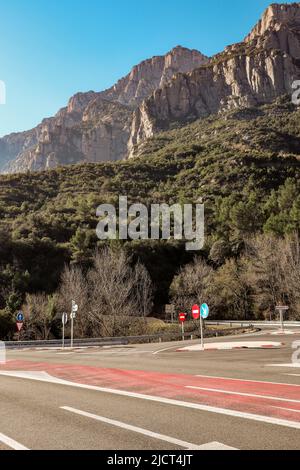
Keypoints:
pixel 204 311
pixel 20 317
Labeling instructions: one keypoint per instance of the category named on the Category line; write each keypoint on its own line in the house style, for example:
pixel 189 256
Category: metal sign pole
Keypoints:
pixel 182 329
pixel 63 345
pixel 281 320
pixel 201 328
pixel 72 329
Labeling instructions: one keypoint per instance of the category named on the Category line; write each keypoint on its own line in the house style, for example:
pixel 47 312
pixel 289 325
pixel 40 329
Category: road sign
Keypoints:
pixel 204 311
pixel 196 312
pixel 282 309
pixel 182 317
pixel 20 317
pixel 64 320
pixel 19 326
pixel 73 316
pixel 169 308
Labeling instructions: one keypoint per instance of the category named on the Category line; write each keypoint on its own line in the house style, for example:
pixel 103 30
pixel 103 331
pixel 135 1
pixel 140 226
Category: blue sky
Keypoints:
pixel 51 49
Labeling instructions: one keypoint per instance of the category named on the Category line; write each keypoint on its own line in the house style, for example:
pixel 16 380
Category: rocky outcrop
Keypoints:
pixel 179 87
pixel 94 127
pixel 253 72
pixel 151 74
pixel 14 144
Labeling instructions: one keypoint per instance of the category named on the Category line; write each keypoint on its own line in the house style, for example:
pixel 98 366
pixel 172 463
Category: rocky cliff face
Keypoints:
pixel 253 72
pixel 179 87
pixel 151 74
pixel 94 127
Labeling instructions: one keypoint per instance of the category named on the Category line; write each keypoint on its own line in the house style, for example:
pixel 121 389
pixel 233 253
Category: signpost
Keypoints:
pixel 282 309
pixel 20 323
pixel 64 320
pixel 182 319
pixel 73 316
pixel 20 317
pixel 19 326
pixel 196 312
pixel 204 313
pixel 170 310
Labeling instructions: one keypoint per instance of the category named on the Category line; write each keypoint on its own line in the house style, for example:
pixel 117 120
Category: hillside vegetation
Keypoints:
pixel 244 165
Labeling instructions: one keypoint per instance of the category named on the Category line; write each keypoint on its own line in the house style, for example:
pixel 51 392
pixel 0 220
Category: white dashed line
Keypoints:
pixel 11 443
pixel 252 395
pixel 44 377
pixel 146 432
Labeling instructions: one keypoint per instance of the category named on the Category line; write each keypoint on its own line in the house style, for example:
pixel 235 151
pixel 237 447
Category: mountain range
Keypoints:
pixel 163 92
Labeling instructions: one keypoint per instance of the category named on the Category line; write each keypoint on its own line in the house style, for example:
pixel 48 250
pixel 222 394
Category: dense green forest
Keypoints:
pixel 244 165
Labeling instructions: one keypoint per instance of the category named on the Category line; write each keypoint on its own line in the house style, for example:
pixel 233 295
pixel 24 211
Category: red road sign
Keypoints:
pixel 19 325
pixel 182 317
pixel 196 312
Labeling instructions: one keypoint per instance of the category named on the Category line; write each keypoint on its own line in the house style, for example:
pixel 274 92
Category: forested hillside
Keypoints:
pixel 244 165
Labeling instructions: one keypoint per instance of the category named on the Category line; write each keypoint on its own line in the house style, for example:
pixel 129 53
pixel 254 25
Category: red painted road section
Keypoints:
pixel 174 386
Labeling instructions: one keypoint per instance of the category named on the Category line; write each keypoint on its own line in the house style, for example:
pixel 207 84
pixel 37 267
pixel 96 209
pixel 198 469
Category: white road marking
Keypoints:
pixel 252 395
pixel 228 346
pixel 44 377
pixel 294 375
pixel 65 353
pixel 245 380
pixel 293 364
pixel 286 409
pixel 110 353
pixel 162 350
pixel 145 432
pixel 11 443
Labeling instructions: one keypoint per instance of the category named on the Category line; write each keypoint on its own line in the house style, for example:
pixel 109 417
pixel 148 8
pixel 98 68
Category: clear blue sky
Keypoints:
pixel 51 49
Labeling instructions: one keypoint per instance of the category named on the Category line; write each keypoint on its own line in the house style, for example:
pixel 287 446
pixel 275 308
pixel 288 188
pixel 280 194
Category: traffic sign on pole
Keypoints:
pixel 182 319
pixel 196 312
pixel 20 317
pixel 282 309
pixel 73 316
pixel 64 320
pixel 19 326
pixel 204 311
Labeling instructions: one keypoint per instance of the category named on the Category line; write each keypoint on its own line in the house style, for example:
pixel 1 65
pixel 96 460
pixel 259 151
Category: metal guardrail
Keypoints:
pixel 243 324
pixel 90 342
pixel 126 340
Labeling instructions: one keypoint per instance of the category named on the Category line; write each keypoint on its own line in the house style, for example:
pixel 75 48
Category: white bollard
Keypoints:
pixel 2 353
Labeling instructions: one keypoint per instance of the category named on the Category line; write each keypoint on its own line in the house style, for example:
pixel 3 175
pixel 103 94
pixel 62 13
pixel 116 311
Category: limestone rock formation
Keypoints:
pixel 94 127
pixel 250 73
pixel 180 87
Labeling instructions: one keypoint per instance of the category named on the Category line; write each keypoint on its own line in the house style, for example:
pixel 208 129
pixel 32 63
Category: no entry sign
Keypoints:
pixel 182 317
pixel 196 312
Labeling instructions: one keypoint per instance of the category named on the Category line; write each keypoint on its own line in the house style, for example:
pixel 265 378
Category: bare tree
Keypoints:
pixel 143 290
pixel 231 291
pixel 40 311
pixel 266 272
pixel 191 285
pixel 111 285
pixel 291 268
pixel 74 287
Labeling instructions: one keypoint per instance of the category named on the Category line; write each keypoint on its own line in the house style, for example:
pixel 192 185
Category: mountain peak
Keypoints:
pixel 182 50
pixel 276 16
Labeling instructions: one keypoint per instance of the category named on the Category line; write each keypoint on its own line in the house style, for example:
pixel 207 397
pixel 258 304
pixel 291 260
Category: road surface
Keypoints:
pixel 153 397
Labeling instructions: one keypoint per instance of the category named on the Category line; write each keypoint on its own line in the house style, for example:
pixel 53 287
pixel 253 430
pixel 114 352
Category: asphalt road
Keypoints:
pixel 152 397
